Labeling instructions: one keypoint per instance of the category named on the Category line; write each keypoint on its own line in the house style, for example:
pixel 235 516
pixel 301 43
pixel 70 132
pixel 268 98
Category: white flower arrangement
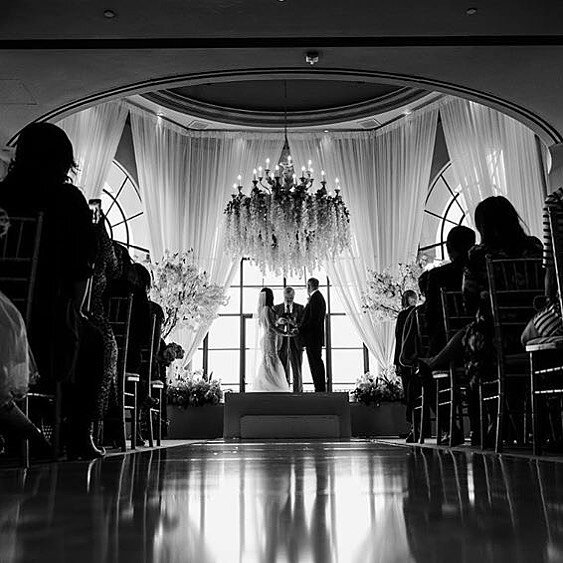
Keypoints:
pixel 284 226
pixel 382 297
pixel 184 292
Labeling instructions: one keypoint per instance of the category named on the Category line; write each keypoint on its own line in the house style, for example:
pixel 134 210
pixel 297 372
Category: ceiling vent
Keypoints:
pixel 369 123
pixel 199 125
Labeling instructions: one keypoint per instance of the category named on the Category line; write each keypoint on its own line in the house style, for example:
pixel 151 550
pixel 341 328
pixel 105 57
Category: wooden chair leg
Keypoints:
pixel 423 415
pixel 134 418
pixel 536 437
pixel 149 414
pixel 482 417
pixel 500 418
pixel 159 419
pixel 438 421
pixel 453 412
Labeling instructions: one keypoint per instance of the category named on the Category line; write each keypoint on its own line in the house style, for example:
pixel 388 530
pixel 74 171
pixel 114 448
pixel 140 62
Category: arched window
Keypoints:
pixel 123 208
pixel 445 208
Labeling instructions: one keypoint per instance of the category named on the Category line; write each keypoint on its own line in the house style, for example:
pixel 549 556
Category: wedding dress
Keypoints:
pixel 15 361
pixel 270 376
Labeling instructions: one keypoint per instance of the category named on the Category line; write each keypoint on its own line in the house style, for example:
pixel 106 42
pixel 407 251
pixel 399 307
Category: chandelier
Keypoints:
pixel 284 225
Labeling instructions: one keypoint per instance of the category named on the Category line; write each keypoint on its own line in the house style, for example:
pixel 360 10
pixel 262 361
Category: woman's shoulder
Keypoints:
pixel 533 246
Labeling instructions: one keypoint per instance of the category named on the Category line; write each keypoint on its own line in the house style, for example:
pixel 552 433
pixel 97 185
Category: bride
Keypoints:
pixel 270 376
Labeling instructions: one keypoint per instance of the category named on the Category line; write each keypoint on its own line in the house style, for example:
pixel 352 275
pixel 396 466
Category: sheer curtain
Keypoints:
pixel 384 177
pixel 493 154
pixel 95 134
pixel 185 180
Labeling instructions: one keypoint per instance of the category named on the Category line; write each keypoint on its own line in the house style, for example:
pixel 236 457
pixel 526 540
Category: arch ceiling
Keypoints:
pixel 61 56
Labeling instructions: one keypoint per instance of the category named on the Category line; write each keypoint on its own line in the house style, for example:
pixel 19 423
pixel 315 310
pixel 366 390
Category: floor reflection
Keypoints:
pixel 285 502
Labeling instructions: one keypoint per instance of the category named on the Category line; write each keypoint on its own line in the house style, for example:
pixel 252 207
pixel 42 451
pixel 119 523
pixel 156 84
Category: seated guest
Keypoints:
pixel 106 269
pixel 37 181
pixel 144 311
pixel 448 277
pixel 16 368
pixel 547 322
pixel 502 236
pixel 408 303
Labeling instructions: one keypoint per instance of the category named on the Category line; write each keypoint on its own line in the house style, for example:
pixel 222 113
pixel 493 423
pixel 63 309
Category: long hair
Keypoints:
pixel 498 223
pixel 406 296
pixel 43 151
pixel 268 298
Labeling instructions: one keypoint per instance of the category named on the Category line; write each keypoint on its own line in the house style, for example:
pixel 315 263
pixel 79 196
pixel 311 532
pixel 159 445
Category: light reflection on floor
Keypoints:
pixel 285 502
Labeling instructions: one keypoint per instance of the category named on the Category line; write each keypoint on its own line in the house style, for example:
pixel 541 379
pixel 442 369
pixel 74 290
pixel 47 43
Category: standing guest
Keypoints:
pixel 291 348
pixel 409 300
pixel 548 322
pixel 312 333
pixel 448 277
pixel 37 181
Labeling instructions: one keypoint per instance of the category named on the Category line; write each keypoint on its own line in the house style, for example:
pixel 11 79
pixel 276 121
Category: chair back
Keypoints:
pixel 453 309
pixel 19 257
pixel 148 352
pixel 556 227
pixel 514 284
pixel 422 333
pixel 119 316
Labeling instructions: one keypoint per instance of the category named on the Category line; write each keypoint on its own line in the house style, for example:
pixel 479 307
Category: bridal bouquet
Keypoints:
pixel 194 389
pixel 184 292
pixel 372 390
pixel 382 298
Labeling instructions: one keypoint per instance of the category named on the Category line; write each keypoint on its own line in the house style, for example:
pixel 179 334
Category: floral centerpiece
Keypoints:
pixel 382 298
pixel 372 390
pixel 184 292
pixel 194 389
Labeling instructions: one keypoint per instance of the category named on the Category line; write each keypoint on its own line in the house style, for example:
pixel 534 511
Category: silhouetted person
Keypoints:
pixel 448 277
pixel 312 333
pixel 37 181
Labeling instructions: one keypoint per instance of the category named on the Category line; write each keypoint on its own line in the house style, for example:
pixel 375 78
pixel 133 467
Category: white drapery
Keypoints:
pixel 95 135
pixel 493 154
pixel 384 177
pixel 185 180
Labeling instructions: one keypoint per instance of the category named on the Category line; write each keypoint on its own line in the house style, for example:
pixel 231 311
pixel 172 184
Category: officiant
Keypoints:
pixel 289 315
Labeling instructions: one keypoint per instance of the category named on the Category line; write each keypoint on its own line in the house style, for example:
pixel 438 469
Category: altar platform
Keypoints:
pixel 287 415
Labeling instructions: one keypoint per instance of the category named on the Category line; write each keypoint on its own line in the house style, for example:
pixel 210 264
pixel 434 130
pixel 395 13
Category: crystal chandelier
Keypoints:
pixel 284 225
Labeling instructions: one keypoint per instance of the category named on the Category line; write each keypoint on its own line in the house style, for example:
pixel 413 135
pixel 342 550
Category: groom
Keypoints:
pixel 312 333
pixel 291 349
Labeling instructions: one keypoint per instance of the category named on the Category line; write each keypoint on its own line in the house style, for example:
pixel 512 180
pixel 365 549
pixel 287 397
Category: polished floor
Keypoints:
pixel 274 502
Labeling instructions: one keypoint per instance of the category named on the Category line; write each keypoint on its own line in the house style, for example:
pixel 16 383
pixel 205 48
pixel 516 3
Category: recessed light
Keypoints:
pixel 109 14
pixel 471 11
pixel 407 112
pixel 326 130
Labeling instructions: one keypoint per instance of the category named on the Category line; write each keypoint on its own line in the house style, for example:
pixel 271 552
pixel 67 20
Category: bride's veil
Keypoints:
pixel 258 328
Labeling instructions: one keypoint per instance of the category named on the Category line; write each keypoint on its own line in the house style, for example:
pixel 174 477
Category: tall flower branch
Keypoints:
pixel 184 292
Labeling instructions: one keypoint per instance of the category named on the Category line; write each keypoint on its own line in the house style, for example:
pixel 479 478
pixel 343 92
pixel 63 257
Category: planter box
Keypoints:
pixel 387 419
pixel 203 423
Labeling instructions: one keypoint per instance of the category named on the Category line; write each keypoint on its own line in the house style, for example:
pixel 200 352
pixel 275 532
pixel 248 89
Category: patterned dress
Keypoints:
pixel 106 268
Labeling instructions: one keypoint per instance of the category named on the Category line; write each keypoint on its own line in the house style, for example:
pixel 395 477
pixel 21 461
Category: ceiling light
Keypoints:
pixel 407 112
pixel 326 130
pixel 471 11
pixel 109 14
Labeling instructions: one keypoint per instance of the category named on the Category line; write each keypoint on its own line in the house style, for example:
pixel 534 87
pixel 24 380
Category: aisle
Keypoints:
pixel 280 501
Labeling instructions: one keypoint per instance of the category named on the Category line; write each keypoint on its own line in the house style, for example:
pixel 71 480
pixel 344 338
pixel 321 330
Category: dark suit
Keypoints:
pixel 291 350
pixel 448 277
pixel 312 331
